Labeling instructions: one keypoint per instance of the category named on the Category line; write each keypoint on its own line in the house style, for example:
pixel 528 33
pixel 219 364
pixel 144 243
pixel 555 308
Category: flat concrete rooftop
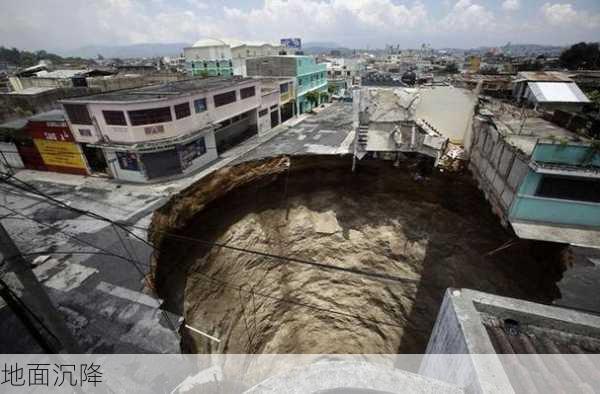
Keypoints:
pixel 170 89
pixel 523 129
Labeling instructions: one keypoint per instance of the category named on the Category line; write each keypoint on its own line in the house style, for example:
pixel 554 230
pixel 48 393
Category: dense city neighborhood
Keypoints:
pixel 232 197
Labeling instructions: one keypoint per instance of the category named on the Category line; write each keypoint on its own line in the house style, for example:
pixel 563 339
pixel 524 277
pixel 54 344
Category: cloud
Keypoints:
pixel 318 19
pixel 468 16
pixel 566 16
pixel 55 24
pixel 511 5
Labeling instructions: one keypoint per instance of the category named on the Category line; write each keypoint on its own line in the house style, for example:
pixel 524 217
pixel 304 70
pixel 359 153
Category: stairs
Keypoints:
pixel 362 137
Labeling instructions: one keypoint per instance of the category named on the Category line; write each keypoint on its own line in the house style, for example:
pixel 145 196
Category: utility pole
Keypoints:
pixel 34 295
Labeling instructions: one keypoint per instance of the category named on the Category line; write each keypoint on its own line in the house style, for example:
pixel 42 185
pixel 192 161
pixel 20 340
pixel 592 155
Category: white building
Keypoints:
pixel 160 131
pixel 223 57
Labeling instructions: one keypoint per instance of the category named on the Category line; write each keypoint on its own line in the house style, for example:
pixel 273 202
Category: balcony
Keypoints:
pixel 555 211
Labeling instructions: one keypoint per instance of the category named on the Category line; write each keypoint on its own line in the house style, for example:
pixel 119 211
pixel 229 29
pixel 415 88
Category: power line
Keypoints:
pixel 356 271
pixel 264 254
pixel 303 304
pixel 134 263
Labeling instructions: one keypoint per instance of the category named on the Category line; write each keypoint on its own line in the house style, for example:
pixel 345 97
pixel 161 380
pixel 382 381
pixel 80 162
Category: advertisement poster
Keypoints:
pixel 60 153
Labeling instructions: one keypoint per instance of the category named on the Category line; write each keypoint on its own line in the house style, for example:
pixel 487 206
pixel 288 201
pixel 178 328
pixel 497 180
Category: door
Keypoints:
pixel 161 164
pixel 95 159
pixel 274 118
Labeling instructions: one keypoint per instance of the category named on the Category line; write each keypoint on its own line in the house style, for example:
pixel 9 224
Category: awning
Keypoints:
pixel 557 92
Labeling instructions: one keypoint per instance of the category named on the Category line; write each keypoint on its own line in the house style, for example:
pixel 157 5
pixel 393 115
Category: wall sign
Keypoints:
pixel 59 153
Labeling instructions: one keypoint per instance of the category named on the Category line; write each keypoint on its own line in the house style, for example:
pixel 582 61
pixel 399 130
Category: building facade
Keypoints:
pixel 224 57
pixel 308 76
pixel 155 132
pixel 277 104
pixel 542 180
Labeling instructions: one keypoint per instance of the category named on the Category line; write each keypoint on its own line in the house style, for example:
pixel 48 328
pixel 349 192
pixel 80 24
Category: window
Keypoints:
pixel 200 105
pixel 114 118
pixel 578 189
pixel 236 119
pixel 263 112
pixel 85 132
pixel 273 107
pixel 128 161
pixel 283 88
pixel 299 81
pixel 182 110
pixel 191 151
pixel 247 92
pixel 150 116
pixel 224 98
pixel 244 115
pixel 78 113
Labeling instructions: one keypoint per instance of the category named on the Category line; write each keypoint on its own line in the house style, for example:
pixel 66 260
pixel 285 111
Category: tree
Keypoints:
pixel 582 55
pixel 451 68
pixel 312 97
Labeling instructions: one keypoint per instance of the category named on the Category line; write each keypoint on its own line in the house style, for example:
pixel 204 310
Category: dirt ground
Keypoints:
pixel 427 234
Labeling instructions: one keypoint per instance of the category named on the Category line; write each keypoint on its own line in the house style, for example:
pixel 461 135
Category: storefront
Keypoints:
pixel 55 144
pixel 162 159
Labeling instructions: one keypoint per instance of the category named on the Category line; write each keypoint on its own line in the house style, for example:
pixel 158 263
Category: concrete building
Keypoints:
pixel 277 102
pixel 224 57
pixel 548 91
pixel 308 75
pixel 55 143
pixel 344 73
pixel 67 78
pixel 429 121
pixel 541 179
pixel 41 142
pixel 160 131
pixel 487 343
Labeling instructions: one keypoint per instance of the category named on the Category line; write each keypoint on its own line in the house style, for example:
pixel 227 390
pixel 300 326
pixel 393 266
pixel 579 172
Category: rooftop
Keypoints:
pixel 156 92
pixel 61 73
pixel 56 115
pixel 32 91
pixel 16 124
pixel 557 92
pixel 231 42
pixel 523 128
pixel 543 76
pixel 482 323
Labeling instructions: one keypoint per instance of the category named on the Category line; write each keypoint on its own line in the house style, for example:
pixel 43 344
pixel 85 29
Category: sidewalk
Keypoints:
pixel 129 202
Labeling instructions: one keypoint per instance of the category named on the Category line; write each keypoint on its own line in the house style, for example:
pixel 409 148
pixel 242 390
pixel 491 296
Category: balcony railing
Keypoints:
pixel 556 211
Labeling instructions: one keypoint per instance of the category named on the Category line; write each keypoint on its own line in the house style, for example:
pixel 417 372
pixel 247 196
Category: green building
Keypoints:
pixel 308 75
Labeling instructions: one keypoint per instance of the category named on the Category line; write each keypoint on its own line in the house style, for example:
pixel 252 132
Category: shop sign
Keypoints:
pixel 59 153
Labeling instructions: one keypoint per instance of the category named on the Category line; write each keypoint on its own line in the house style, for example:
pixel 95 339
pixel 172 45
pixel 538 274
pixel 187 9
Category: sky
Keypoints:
pixel 69 24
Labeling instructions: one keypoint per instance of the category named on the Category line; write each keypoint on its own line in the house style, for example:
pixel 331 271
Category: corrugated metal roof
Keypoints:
pixel 557 92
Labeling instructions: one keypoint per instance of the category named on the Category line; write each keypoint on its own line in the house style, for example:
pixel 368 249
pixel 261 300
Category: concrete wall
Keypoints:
pixel 106 84
pixel 459 350
pixel 9 156
pixel 274 66
pixel 268 100
pixel 449 110
pixel 497 167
